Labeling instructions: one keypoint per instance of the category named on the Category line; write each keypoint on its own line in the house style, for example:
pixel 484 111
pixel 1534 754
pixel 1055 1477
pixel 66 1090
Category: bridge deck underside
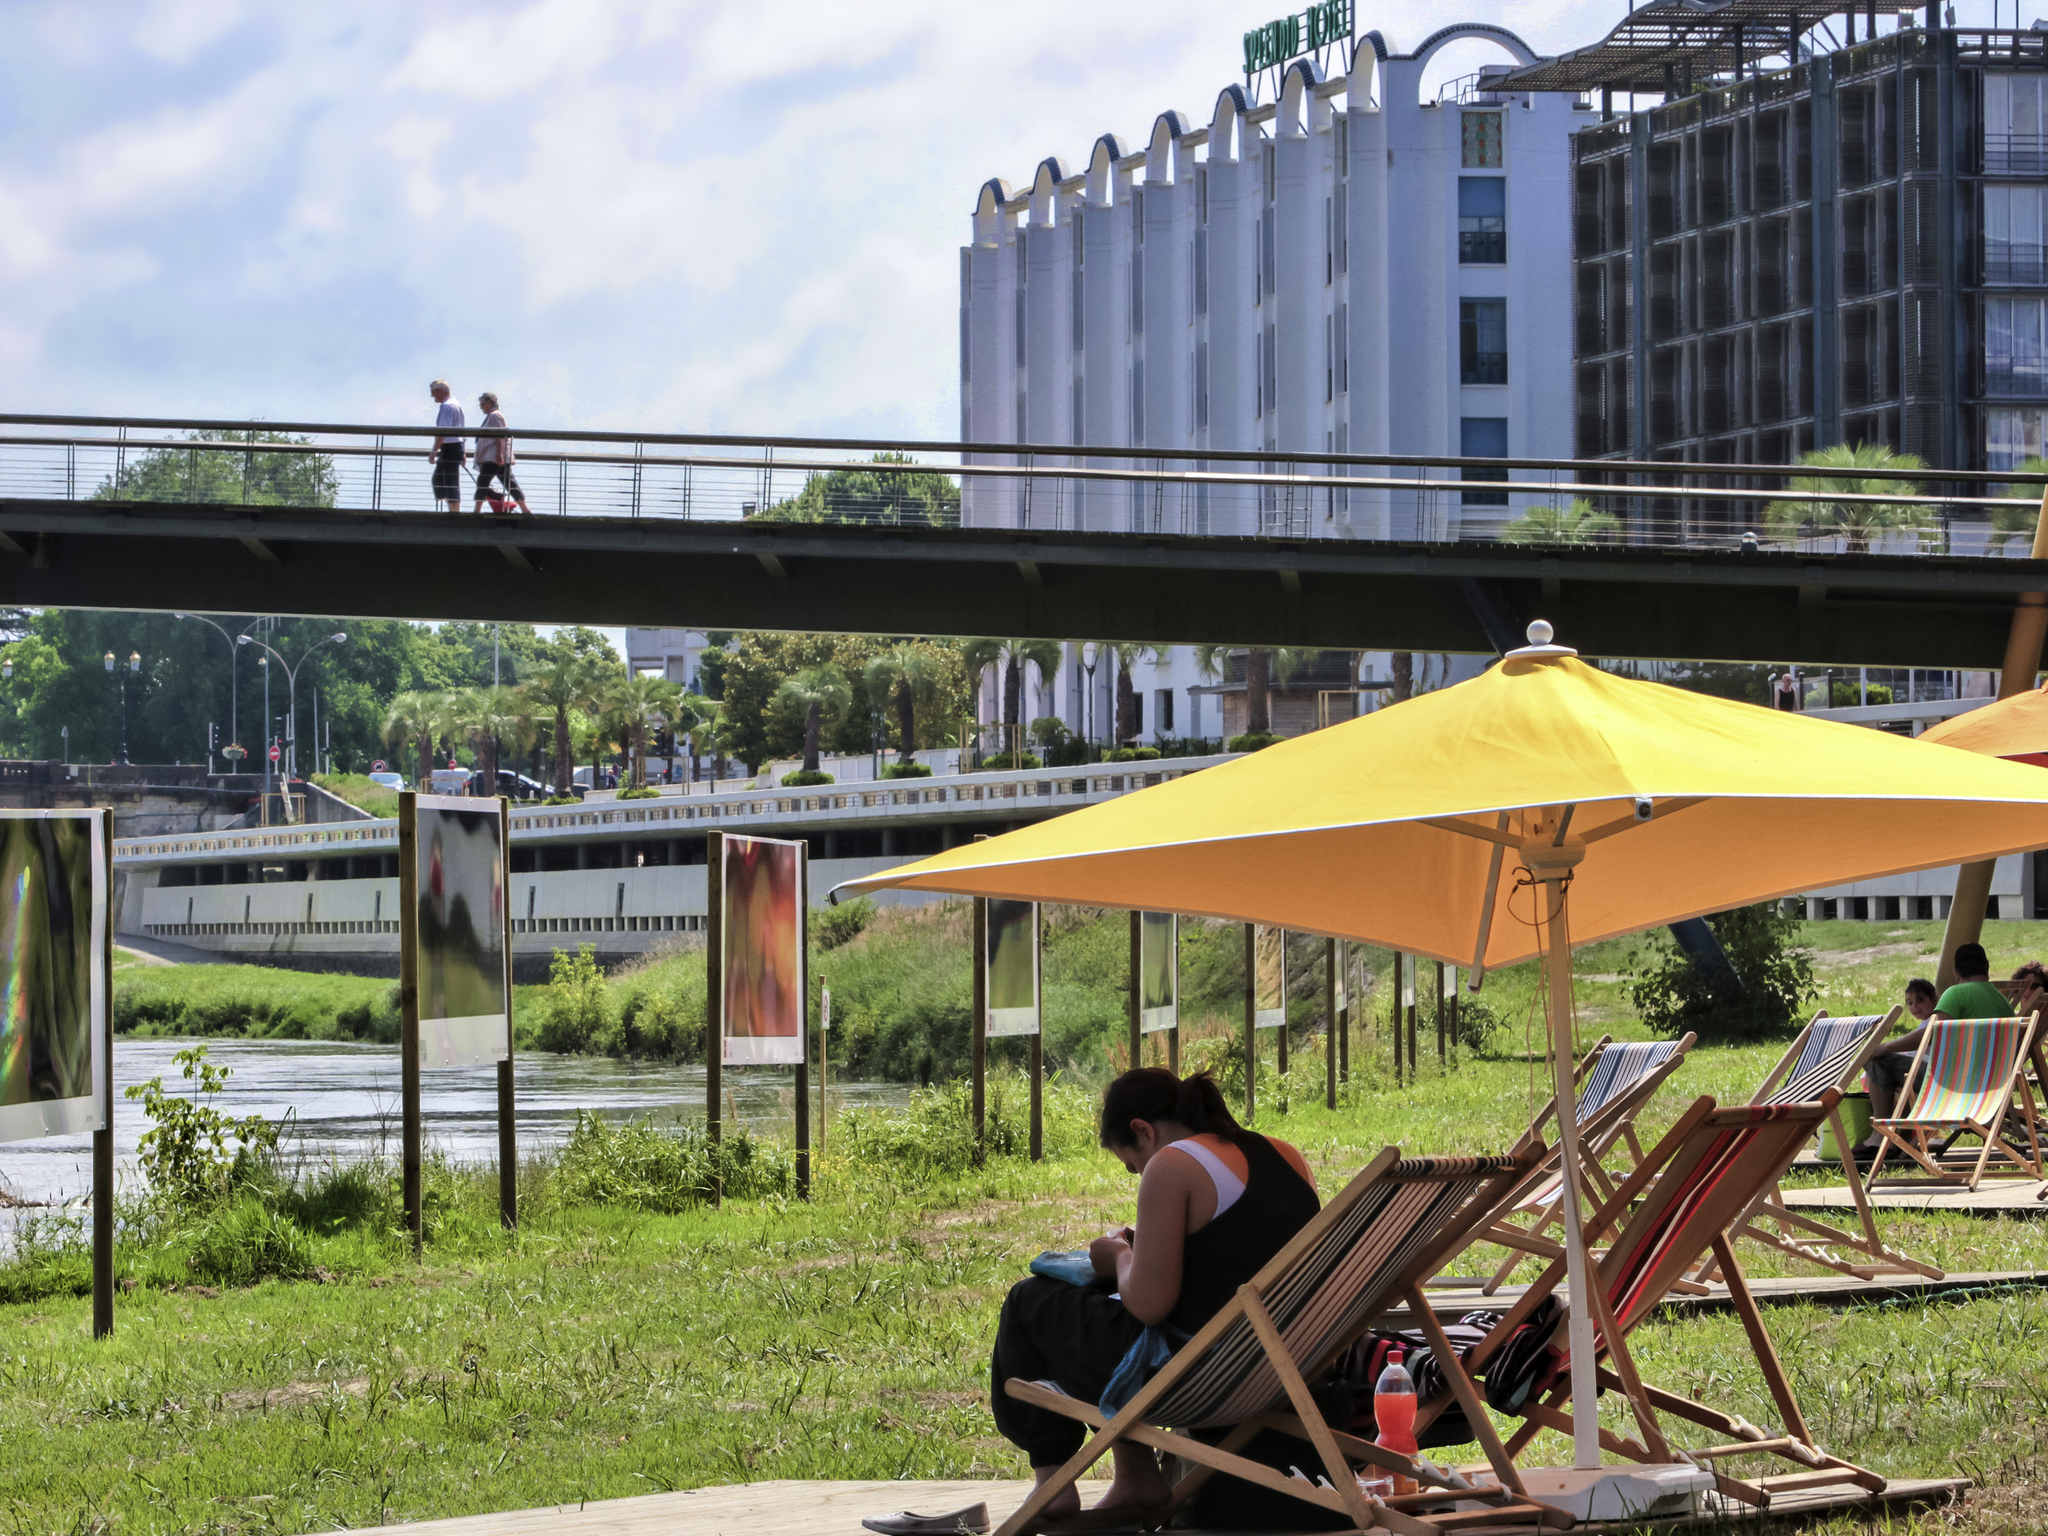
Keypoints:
pixel 1719 605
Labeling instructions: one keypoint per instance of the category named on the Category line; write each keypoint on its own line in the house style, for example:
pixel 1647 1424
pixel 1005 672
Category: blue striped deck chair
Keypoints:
pixel 1249 1367
pixel 1828 1056
pixel 1968 1073
pixel 1614 1082
pixel 1681 1201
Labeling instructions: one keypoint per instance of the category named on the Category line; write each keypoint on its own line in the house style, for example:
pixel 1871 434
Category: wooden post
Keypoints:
pixel 803 1024
pixel 1329 1023
pixel 1408 1007
pixel 1173 1034
pixel 413 1153
pixel 1442 1023
pixel 1134 1001
pixel 508 1136
pixel 978 1047
pixel 1038 1034
pixel 824 1065
pixel 1452 1003
pixel 1251 1023
pixel 714 1002
pixel 1394 1016
pixel 103 1138
pixel 1350 1004
pixel 1280 1046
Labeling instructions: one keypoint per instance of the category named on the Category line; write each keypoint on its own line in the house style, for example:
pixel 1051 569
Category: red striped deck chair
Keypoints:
pixel 1615 1082
pixel 1693 1187
pixel 1249 1367
pixel 1829 1054
pixel 1969 1073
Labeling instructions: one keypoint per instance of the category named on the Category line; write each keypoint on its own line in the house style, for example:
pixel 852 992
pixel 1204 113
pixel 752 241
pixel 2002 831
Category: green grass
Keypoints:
pixel 255 1001
pixel 608 1350
pixel 359 790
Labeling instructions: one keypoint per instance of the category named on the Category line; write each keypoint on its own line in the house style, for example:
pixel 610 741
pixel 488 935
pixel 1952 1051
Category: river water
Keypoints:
pixel 341 1102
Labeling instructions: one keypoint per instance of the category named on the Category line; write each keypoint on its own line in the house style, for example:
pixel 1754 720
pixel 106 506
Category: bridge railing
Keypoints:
pixel 1033 487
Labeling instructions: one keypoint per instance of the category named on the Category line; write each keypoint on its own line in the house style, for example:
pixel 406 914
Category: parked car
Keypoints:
pixel 512 785
pixel 389 780
pixel 448 781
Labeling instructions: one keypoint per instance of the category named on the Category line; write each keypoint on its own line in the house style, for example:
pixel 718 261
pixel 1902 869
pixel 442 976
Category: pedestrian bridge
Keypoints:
pixel 1053 541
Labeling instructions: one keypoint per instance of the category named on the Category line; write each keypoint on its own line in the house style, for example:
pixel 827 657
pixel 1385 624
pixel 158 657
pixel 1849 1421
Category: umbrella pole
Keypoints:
pixel 1553 866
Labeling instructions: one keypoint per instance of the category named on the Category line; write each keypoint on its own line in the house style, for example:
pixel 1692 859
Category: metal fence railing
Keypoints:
pixel 1028 487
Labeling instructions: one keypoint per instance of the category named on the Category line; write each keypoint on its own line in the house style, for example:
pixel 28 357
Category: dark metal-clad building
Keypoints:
pixel 1847 248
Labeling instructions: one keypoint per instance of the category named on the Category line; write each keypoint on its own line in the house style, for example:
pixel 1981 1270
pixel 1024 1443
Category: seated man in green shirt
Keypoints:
pixel 1971 997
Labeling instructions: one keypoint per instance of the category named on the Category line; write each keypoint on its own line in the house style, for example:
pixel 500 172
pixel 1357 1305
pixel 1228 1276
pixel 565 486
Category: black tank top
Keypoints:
pixel 1277 1203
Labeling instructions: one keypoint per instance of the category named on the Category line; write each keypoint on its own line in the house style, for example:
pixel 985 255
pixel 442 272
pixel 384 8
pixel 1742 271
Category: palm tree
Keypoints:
pixel 1012 656
pixel 910 670
pixel 1578 521
pixel 414 717
pixel 1264 666
pixel 644 702
pixel 1128 654
pixel 561 685
pixel 2010 524
pixel 504 722
pixel 815 690
pixel 1799 516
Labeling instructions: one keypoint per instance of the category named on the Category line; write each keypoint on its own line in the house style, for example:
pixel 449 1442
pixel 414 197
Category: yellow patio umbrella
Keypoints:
pixel 2015 727
pixel 1497 819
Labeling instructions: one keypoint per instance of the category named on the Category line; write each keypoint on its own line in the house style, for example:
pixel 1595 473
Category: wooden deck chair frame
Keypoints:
pixel 1701 1178
pixel 1910 1132
pixel 1612 1125
pixel 1245 1335
pixel 1799 1233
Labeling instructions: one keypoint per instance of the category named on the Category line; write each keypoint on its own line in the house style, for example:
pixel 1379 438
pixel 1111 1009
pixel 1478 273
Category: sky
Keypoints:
pixel 685 217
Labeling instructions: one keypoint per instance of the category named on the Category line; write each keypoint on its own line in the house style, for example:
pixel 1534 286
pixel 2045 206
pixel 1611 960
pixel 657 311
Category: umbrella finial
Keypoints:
pixel 1539 647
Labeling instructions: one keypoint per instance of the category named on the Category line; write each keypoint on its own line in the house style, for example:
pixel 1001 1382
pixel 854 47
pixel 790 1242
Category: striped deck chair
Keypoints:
pixel 1693 1188
pixel 1829 1054
pixel 1615 1082
pixel 1248 1368
pixel 1969 1071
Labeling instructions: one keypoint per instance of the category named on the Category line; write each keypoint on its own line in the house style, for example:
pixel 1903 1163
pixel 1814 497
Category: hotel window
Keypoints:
pixel 1343 227
pixel 1137 293
pixel 2014 434
pixel 1482 220
pixel 1266 262
pixel 1483 437
pixel 1482 341
pixel 1343 447
pixel 1329 358
pixel 1340 143
pixel 1479 141
pixel 1138 400
pixel 1201 271
pixel 1202 384
pixel 2015 347
pixel 1259 374
pixel 1343 349
pixel 1079 436
pixel 1329 243
pixel 1272 368
pixel 2015 250
pixel 2015 135
pixel 1162 709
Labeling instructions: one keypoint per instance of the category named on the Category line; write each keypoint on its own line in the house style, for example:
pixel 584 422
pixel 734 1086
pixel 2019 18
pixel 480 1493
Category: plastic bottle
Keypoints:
pixel 1393 1411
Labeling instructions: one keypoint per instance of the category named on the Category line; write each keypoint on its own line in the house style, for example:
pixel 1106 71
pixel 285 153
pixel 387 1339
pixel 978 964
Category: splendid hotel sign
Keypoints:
pixel 1309 31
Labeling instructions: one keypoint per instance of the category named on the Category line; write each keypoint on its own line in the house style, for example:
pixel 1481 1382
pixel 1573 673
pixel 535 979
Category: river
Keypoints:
pixel 341 1102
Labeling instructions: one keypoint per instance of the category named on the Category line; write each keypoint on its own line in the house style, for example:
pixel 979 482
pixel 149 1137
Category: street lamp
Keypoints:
pixel 291 680
pixel 134 665
pixel 234 655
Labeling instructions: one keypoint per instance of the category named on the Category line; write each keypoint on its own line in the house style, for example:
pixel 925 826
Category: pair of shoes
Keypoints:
pixel 973 1519
pixel 1117 1517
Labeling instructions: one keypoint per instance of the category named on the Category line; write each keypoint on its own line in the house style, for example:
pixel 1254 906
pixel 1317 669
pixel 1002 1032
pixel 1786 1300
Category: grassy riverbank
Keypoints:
pixel 620 1345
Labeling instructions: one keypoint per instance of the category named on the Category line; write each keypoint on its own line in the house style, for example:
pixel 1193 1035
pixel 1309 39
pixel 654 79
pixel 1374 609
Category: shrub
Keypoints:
pixel 642 792
pixel 1250 741
pixel 1048 731
pixel 650 1168
pixel 1672 995
pixel 834 926
pixel 1069 754
pixel 907 771
pixel 934 1132
pixel 1004 762
pixel 194 1155
pixel 561 800
pixel 799 778
pixel 239 1243
pixel 1132 755
pixel 1222 1057
pixel 576 1005
pixel 655 1024
pixel 1476 1023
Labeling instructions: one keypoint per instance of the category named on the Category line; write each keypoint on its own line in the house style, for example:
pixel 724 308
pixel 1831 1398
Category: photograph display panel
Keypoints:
pixel 1158 971
pixel 459 930
pixel 1269 992
pixel 54 1035
pixel 1012 967
pixel 761 939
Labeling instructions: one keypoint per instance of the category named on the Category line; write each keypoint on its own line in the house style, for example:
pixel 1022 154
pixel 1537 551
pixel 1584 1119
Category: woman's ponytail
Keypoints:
pixel 1155 1094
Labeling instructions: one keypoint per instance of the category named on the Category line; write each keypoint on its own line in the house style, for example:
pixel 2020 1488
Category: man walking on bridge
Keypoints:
pixel 446 454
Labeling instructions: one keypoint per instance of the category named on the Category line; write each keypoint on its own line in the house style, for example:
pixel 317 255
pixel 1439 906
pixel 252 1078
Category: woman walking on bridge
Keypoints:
pixel 494 459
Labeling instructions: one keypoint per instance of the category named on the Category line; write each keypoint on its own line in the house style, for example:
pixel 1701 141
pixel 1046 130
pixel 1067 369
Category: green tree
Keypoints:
pixel 221 475
pixel 642 704
pixel 877 492
pixel 558 686
pixel 1577 522
pixel 912 672
pixel 817 691
pixel 415 717
pixel 1264 666
pixel 1012 656
pixel 1799 516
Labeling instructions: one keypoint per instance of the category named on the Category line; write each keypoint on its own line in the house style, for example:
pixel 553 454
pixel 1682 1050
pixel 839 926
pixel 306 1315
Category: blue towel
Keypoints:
pixel 1154 1347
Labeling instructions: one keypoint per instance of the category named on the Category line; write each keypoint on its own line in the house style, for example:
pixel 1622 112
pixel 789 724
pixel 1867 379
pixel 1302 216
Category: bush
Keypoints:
pixel 907 771
pixel 647 1167
pixel 1069 754
pixel 834 926
pixel 561 800
pixel 934 1132
pixel 1476 1023
pixel 194 1155
pixel 1004 762
pixel 1250 741
pixel 1131 755
pixel 1673 996
pixel 576 1005
pixel 642 792
pixel 239 1243
pixel 1048 731
pixel 800 778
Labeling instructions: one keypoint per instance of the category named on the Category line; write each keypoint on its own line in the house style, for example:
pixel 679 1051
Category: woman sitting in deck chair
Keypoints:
pixel 1215 1203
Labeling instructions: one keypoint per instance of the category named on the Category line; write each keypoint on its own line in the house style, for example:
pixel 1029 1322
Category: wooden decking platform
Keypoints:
pixel 835 1509
pixel 1993 1197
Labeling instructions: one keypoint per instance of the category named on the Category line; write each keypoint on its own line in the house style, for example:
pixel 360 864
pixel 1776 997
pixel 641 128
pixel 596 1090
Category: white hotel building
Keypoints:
pixel 1356 266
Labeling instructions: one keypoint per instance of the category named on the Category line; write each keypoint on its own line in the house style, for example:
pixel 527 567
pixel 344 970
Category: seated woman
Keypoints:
pixel 1215 1203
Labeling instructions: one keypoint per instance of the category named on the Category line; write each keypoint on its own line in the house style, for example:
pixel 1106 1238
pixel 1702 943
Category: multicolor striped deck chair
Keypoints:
pixel 1615 1082
pixel 1248 1368
pixel 1969 1071
pixel 1829 1054
pixel 1693 1188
